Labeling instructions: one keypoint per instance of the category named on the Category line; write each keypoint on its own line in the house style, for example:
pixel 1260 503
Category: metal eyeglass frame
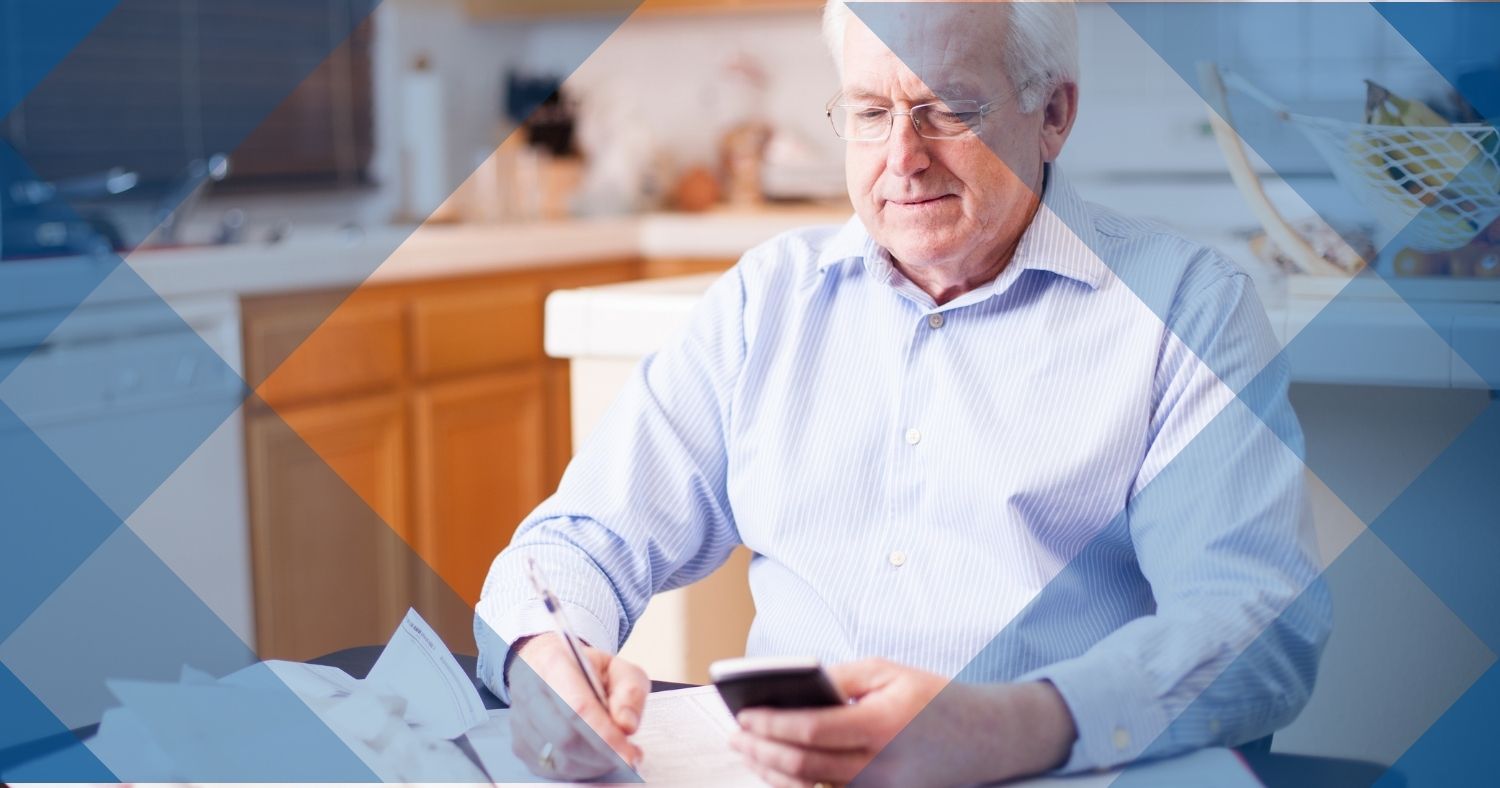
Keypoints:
pixel 982 109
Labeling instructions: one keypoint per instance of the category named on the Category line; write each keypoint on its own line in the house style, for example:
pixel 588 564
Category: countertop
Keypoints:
pixel 319 258
pixel 1368 336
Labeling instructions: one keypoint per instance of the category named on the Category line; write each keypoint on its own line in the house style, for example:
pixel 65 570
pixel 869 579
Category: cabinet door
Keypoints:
pixel 327 507
pixel 477 328
pixel 301 348
pixel 480 468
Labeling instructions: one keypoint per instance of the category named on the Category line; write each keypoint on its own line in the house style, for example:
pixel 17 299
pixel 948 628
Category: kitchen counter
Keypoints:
pixel 624 321
pixel 327 258
pixel 1369 336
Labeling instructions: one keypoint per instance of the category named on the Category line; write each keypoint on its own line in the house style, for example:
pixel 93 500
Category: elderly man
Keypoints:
pixel 983 433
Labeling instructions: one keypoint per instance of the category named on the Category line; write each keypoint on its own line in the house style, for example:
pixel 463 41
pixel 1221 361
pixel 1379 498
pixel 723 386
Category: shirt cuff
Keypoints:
pixel 1115 723
pixel 495 633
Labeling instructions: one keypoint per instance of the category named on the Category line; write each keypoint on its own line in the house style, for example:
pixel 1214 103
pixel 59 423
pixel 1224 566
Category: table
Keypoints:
pixel 1276 770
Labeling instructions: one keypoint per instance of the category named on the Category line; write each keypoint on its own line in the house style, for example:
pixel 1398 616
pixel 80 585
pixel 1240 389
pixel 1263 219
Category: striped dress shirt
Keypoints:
pixel 1084 471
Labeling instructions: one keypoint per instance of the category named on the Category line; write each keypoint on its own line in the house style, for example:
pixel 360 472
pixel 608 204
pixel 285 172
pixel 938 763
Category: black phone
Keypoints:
pixel 776 682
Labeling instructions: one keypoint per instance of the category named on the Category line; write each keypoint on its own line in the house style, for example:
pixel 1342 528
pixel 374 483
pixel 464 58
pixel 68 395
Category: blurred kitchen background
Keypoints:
pixel 436 260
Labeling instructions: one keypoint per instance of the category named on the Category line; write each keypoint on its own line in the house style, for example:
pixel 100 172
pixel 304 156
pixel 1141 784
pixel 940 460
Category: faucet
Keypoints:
pixel 180 201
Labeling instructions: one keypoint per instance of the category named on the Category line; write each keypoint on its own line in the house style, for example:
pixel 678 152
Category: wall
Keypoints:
pixel 660 83
pixel 664 75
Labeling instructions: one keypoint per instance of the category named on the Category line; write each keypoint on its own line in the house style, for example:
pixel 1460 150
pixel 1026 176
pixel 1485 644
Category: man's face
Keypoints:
pixel 945 203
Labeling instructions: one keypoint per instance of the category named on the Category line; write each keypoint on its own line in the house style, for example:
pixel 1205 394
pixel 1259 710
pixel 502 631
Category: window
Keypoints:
pixel 283 86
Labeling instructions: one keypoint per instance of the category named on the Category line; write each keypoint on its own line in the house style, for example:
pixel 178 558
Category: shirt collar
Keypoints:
pixel 1060 239
pixel 851 242
pixel 1061 235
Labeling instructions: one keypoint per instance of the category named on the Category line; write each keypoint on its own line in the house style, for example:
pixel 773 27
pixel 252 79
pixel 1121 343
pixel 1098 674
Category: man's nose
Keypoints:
pixel 907 153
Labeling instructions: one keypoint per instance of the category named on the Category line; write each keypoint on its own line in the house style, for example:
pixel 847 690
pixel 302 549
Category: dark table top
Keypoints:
pixel 1276 770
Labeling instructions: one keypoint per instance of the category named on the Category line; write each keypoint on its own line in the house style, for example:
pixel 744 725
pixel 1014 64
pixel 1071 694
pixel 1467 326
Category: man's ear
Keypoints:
pixel 1058 115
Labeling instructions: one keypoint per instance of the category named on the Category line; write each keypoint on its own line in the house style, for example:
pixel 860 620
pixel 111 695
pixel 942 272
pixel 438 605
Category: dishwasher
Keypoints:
pixel 141 402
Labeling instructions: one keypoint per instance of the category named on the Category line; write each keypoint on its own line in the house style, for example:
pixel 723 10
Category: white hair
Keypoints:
pixel 1041 45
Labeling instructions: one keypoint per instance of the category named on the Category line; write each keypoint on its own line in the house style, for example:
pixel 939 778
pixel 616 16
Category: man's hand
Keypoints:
pixel 949 733
pixel 546 732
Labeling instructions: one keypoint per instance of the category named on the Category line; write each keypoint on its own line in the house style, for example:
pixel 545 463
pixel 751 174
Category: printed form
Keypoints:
pixel 684 736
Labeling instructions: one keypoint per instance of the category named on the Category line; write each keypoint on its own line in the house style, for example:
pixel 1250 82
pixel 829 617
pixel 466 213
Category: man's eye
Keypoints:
pixel 952 120
pixel 870 114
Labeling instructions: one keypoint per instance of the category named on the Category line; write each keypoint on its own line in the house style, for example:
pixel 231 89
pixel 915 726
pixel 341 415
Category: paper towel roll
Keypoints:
pixel 424 140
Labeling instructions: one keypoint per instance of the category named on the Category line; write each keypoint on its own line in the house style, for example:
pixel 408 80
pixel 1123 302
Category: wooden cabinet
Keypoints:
pixel 294 355
pixel 481 466
pixel 471 331
pixel 398 438
pixel 327 484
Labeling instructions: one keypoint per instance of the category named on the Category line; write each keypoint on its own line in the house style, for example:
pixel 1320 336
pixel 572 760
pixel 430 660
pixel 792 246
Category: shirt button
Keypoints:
pixel 935 320
pixel 913 437
pixel 1122 739
pixel 1214 727
pixel 897 558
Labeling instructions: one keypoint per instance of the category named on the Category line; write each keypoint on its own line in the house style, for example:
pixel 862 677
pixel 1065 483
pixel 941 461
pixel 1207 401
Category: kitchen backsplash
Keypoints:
pixel 672 82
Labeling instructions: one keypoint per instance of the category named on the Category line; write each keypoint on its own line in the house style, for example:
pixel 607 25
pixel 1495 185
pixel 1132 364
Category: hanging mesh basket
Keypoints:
pixel 1437 185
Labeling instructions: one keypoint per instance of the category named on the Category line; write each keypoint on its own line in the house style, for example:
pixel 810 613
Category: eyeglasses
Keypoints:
pixel 938 120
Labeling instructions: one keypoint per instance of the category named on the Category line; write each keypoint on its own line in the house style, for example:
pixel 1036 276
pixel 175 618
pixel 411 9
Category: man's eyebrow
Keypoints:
pixel 956 90
pixel 863 95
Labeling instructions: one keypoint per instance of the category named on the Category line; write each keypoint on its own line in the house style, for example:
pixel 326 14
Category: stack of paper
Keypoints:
pixel 684 740
pixel 277 721
pixel 417 718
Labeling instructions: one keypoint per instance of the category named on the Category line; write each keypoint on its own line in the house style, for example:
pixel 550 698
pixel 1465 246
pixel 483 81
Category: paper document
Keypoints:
pixel 396 725
pixel 491 745
pixel 418 667
pixel 309 682
pixel 684 738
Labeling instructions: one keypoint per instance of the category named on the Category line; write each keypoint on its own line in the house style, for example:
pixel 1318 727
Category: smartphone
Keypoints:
pixel 776 682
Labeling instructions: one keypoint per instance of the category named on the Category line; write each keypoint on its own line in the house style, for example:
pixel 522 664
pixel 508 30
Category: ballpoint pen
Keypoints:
pixel 560 620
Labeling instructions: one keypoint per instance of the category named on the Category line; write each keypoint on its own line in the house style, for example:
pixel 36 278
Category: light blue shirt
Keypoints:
pixel 1036 480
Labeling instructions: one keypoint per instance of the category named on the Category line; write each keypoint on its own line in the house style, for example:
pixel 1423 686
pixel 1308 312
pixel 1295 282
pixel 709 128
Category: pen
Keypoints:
pixel 560 620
